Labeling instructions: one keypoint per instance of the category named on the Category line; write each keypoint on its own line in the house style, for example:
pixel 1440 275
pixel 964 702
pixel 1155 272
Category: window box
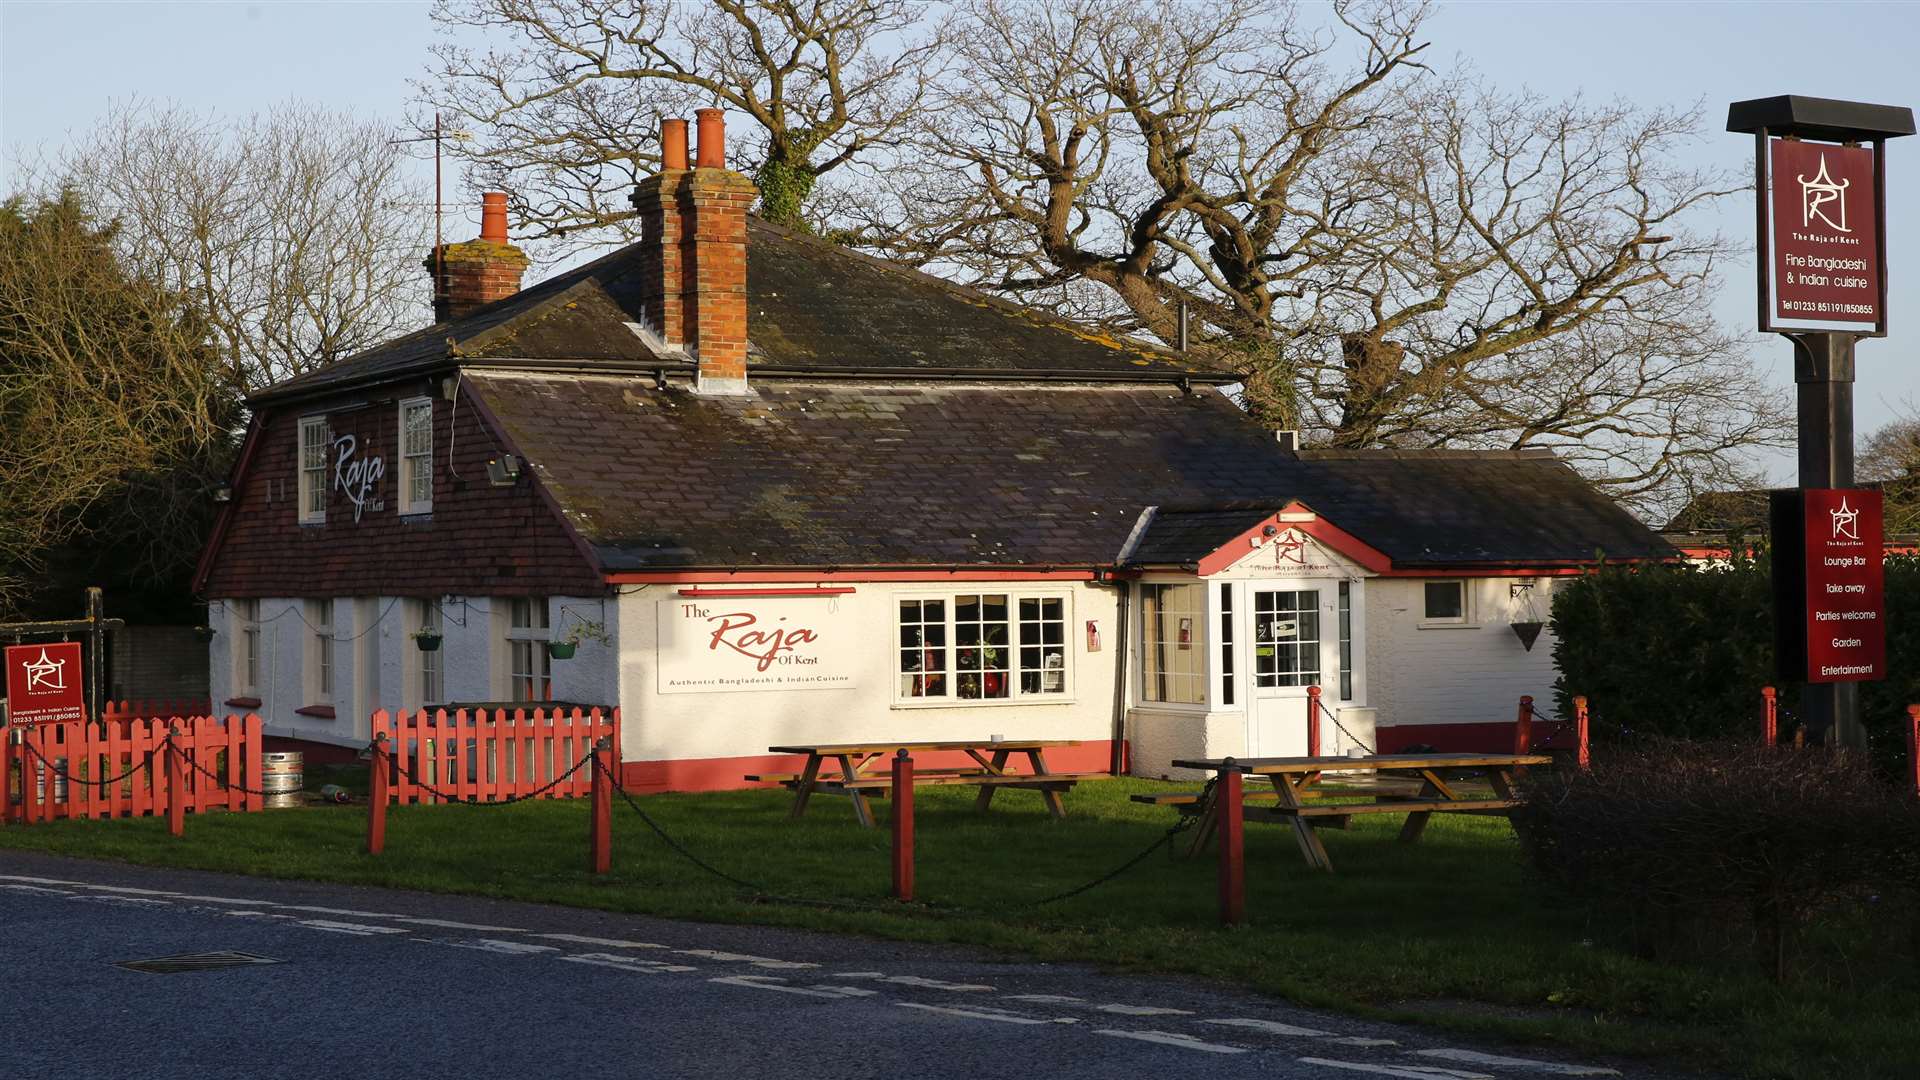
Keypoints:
pixel 243 702
pixel 324 712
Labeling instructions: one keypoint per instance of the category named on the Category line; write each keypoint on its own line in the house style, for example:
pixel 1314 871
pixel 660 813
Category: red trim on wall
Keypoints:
pixel 726 773
pixel 831 590
pixel 1491 737
pixel 749 575
pixel 1342 542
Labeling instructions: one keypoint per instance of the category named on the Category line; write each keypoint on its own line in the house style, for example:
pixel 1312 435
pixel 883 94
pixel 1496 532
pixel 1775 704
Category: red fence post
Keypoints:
pixel 1770 719
pixel 1523 726
pixel 377 796
pixel 1233 853
pixel 600 816
pixel 1913 744
pixel 1313 721
pixel 1580 731
pixel 176 786
pixel 902 826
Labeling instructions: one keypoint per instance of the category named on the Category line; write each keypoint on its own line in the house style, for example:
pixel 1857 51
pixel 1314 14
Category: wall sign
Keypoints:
pixel 356 476
pixel 44 684
pixel 716 644
pixel 1830 612
pixel 1825 242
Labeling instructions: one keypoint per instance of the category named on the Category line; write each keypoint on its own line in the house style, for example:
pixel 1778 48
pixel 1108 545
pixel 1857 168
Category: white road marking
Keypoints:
pixel 346 927
pixel 1168 1038
pixel 1361 1040
pixel 769 982
pixel 913 980
pixel 626 963
pixel 1143 1010
pixel 611 943
pixel 135 901
pixel 36 880
pixel 42 889
pixel 1048 999
pixel 448 924
pixel 743 958
pixel 493 945
pixel 252 913
pixel 1474 1057
pixel 222 900
pixel 974 1014
pixel 129 891
pixel 332 910
pixel 1409 1072
pixel 1270 1027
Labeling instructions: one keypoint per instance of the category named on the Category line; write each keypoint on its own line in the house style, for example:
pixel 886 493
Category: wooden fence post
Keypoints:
pixel 1770 718
pixel 902 826
pixel 1913 745
pixel 1233 853
pixel 600 816
pixel 176 786
pixel 1523 726
pixel 377 796
pixel 1313 721
pixel 1585 759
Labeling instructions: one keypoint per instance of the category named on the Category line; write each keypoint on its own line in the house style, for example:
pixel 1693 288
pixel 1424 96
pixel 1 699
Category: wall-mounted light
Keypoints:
pixel 503 470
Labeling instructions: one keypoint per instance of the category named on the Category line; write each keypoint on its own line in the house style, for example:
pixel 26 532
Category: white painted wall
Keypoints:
pixel 1466 674
pixel 681 726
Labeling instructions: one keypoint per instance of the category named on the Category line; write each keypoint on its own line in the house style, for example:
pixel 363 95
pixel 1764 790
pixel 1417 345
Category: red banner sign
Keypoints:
pixel 44 684
pixel 1826 248
pixel 1845 599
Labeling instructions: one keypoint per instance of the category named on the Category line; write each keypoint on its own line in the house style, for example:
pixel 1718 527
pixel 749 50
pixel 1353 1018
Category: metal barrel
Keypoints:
pixel 282 775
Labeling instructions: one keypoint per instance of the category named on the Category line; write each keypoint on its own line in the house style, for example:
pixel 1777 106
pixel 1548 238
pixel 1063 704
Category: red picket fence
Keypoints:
pixel 488 756
pixel 229 747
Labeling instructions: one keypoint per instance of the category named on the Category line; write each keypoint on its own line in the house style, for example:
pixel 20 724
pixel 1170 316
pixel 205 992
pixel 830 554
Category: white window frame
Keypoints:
pixel 312 488
pixel 323 655
pixel 412 460
pixel 1465 618
pixel 424 668
pixel 1202 649
pixel 536 639
pixel 243 617
pixel 1015 695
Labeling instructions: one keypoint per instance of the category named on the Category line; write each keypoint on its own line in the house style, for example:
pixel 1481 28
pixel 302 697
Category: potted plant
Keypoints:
pixel 427 638
pixel 583 630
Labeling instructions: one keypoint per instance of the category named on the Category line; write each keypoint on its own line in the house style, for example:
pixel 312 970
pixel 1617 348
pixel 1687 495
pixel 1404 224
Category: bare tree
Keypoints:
pixel 115 412
pixel 564 106
pixel 297 233
pixel 1391 256
pixel 1890 457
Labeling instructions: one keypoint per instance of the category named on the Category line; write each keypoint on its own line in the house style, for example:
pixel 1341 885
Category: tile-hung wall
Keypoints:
pixel 372 660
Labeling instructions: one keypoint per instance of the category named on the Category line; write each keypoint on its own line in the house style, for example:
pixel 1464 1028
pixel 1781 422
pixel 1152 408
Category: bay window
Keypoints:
pixel 1173 643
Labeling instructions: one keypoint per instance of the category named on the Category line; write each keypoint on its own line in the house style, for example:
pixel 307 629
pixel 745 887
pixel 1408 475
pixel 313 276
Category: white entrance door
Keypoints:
pixel 1293 648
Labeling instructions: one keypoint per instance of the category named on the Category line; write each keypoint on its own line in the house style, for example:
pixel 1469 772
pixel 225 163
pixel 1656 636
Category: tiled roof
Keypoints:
pixel 812 307
pixel 824 473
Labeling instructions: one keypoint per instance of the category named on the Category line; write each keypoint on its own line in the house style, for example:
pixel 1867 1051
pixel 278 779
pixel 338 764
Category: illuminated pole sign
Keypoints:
pixel 44 684
pixel 1820 177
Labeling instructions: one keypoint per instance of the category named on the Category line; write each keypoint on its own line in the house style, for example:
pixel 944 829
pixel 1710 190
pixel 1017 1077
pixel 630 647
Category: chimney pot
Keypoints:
pixel 493 217
pixel 712 153
pixel 673 143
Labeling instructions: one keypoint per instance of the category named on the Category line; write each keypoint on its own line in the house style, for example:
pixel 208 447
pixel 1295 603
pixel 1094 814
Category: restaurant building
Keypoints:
pixel 757 489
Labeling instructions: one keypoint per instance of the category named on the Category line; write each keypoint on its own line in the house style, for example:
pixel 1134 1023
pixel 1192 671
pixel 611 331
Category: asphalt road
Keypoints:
pixel 374 983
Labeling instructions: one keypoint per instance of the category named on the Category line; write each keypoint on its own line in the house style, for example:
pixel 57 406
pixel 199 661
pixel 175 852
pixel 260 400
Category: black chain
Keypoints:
pixel 1185 823
pixel 675 845
pixel 1335 717
pixel 508 801
pixel 215 777
pixel 108 781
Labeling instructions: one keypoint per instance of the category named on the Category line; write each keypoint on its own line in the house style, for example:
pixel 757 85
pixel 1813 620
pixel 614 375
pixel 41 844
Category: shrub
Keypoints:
pixel 1691 841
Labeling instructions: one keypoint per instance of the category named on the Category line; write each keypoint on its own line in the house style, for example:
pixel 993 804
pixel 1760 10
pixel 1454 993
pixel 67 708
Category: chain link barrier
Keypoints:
pixel 467 801
pixel 1335 717
pixel 677 847
pixel 216 778
pixel 101 783
pixel 1186 822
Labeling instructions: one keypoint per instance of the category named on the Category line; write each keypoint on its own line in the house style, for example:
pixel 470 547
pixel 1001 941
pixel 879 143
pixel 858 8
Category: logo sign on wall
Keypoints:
pixel 44 684
pixel 357 475
pixel 720 644
pixel 1825 271
pixel 1830 612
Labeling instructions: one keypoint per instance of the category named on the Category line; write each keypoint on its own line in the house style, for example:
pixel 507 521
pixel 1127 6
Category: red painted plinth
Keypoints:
pixel 1770 716
pixel 1580 731
pixel 176 791
pixel 600 818
pixel 1313 721
pixel 1233 853
pixel 377 797
pixel 1913 744
pixel 1523 726
pixel 902 826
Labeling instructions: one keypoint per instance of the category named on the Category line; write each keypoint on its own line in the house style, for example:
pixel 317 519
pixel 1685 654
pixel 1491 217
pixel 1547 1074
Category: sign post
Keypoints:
pixel 1820 178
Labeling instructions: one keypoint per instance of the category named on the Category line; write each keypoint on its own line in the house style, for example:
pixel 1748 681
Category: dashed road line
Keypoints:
pixel 43 890
pixel 357 929
pixel 627 963
pixel 1554 1068
pixel 913 980
pixel 1047 999
pixel 31 880
pixel 128 901
pixel 770 982
pixel 494 945
pixel 1361 1040
pixel 997 1015
pixel 611 943
pixel 1142 1010
pixel 1169 1038
pixel 1408 1072
pixel 744 958
pixel 1270 1027
pixel 449 924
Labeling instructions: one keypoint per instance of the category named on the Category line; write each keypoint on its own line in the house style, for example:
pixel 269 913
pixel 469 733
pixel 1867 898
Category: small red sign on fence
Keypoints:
pixel 44 684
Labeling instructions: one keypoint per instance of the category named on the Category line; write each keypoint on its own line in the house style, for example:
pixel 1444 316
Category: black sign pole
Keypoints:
pixel 1823 379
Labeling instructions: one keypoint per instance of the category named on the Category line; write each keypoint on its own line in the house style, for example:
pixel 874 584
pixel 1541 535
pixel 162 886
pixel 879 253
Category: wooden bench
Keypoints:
pixel 1188 802
pixel 989 772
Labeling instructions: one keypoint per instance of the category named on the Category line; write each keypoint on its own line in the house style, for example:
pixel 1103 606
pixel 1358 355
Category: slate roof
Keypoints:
pixel 824 474
pixel 1722 512
pixel 813 307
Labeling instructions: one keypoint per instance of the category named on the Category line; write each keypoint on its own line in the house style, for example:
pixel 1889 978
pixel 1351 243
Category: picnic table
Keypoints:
pixel 859 779
pixel 1295 779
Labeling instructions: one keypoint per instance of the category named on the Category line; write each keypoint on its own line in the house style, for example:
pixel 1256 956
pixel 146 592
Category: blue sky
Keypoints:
pixel 61 63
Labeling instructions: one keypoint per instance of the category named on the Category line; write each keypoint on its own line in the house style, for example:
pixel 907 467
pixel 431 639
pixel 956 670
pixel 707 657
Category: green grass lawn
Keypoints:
pixel 1452 919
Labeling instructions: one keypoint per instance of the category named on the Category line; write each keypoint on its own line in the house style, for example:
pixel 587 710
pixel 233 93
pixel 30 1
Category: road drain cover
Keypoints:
pixel 169 965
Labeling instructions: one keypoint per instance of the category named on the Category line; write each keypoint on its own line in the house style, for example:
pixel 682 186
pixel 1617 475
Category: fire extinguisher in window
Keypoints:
pixel 1093 635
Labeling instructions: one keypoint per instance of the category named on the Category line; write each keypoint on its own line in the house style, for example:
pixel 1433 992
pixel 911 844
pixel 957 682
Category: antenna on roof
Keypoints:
pixel 1183 326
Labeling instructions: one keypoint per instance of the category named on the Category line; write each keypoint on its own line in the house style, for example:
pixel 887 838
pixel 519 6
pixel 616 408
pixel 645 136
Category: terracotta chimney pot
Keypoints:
pixel 713 139
pixel 673 143
pixel 493 217
pixel 480 271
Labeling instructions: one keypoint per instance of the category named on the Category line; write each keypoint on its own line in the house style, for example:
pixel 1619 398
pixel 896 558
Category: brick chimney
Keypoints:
pixel 693 225
pixel 479 271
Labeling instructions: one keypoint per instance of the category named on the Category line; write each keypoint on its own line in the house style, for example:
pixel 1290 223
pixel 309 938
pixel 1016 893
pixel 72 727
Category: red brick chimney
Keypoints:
pixel 478 271
pixel 693 225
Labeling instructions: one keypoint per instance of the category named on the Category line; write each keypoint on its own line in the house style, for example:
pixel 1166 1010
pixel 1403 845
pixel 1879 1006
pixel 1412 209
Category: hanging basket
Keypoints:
pixel 427 642
pixel 561 650
pixel 204 633
pixel 1528 633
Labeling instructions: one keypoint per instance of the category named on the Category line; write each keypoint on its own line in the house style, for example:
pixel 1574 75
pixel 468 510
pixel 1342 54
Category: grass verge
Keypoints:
pixel 1449 931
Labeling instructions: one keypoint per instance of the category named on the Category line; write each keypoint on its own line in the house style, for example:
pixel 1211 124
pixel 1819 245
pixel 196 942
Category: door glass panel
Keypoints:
pixel 1286 638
